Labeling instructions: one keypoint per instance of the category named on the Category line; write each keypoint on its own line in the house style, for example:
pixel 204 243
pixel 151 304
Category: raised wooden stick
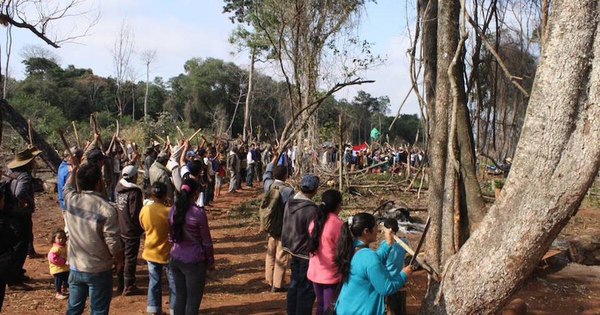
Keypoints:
pixel 30 130
pixel 64 141
pixel 180 132
pixel 76 134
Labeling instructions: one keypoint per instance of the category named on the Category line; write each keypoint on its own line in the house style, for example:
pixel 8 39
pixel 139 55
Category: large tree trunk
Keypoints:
pixel 248 97
pixel 19 123
pixel 558 147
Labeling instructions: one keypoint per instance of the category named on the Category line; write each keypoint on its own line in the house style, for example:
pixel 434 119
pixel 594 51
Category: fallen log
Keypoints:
pixel 19 123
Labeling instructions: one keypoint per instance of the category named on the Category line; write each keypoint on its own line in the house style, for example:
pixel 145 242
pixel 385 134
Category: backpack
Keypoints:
pixel 6 189
pixel 270 211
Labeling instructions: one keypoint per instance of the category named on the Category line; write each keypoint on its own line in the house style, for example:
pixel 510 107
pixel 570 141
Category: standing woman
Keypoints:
pixel 325 232
pixel 365 278
pixel 192 251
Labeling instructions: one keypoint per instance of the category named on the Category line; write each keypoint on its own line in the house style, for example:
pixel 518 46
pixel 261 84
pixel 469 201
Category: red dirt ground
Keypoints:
pixel 237 287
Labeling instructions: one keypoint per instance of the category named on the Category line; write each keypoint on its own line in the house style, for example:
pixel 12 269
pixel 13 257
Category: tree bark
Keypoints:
pixel 19 123
pixel 558 146
pixel 248 97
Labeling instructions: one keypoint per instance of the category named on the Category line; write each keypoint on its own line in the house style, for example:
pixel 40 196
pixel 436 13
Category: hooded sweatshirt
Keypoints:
pixel 299 212
pixel 129 204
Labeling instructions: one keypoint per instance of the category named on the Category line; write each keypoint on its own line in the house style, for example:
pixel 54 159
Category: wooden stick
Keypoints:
pixel 180 132
pixel 64 141
pixel 29 129
pixel 195 133
pixel 76 134
pixel 425 265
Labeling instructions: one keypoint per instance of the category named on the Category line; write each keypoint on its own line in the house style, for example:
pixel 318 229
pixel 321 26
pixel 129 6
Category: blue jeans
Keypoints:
pixel 300 294
pixel 249 175
pixel 97 285
pixel 155 271
pixel 189 285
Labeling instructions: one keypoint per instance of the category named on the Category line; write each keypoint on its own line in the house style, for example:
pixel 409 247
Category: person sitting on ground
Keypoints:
pixel 276 259
pixel 129 199
pixel 299 212
pixel 94 244
pixel 154 221
pixel 365 278
pixel 325 232
pixel 57 259
pixel 192 248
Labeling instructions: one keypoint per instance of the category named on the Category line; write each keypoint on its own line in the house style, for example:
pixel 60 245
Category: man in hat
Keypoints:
pixel 299 212
pixel 21 187
pixel 129 204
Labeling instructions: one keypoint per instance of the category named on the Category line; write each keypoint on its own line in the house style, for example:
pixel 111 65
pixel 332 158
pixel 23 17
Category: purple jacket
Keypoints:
pixel 196 245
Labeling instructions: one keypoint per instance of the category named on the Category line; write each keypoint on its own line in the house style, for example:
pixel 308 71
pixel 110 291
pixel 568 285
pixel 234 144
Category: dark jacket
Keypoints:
pixel 11 239
pixel 22 188
pixel 297 216
pixel 129 204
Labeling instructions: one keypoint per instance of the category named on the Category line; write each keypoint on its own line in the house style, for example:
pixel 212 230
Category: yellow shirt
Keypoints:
pixel 57 259
pixel 153 219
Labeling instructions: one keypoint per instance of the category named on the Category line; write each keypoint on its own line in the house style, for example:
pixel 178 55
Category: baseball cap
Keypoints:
pixel 129 171
pixel 309 183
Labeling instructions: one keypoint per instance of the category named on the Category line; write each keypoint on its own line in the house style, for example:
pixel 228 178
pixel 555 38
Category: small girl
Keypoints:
pixel 57 258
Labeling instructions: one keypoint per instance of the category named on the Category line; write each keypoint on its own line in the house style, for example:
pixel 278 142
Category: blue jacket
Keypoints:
pixel 63 174
pixel 395 260
pixel 368 283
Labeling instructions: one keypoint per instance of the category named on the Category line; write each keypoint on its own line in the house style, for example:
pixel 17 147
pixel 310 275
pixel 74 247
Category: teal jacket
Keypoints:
pixel 369 282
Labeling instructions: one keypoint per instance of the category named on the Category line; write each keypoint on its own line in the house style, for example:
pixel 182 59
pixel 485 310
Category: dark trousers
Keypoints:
pixel 29 223
pixel 250 175
pixel 300 294
pixel 190 280
pixel 2 292
pixel 131 247
pixel 396 303
pixel 210 191
pixel 61 280
pixel 16 273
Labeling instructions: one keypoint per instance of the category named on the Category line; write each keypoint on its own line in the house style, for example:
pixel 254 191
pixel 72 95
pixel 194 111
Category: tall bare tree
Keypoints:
pixel 148 57
pixel 122 50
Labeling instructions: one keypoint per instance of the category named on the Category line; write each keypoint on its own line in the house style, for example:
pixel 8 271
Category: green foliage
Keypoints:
pixel 45 118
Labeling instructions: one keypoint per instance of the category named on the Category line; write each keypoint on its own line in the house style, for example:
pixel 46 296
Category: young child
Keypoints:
pixel 396 302
pixel 57 258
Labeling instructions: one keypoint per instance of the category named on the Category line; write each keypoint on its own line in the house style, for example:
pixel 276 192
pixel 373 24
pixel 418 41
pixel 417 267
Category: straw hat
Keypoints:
pixel 23 158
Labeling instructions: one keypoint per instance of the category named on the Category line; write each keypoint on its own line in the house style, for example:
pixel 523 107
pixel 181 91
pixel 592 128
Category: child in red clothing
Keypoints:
pixel 57 259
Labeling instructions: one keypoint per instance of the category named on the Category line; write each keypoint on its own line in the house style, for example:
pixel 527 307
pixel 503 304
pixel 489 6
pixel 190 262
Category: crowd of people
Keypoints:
pixel 107 210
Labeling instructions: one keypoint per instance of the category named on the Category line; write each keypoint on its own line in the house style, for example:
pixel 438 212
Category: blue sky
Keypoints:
pixel 182 29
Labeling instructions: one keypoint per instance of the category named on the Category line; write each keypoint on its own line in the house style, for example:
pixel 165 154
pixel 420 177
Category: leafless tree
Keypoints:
pixel 122 50
pixel 148 57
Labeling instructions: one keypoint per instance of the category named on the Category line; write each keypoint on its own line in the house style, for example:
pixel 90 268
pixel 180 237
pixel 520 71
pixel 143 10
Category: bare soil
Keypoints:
pixel 237 285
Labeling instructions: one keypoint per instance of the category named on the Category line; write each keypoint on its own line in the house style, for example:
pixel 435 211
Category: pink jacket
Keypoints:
pixel 321 267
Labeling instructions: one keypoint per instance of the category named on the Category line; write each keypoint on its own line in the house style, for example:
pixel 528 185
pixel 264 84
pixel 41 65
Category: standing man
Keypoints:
pixel 129 199
pixel 63 174
pixel 276 259
pixel 21 187
pixel 233 166
pixel 94 244
pixel 160 173
pixel 250 165
pixel 299 212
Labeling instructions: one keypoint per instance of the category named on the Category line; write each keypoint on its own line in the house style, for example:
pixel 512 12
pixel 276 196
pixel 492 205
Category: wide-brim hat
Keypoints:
pixel 23 158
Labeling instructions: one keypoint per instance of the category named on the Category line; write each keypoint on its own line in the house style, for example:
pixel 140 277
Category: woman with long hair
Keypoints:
pixel 192 251
pixel 366 281
pixel 325 232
